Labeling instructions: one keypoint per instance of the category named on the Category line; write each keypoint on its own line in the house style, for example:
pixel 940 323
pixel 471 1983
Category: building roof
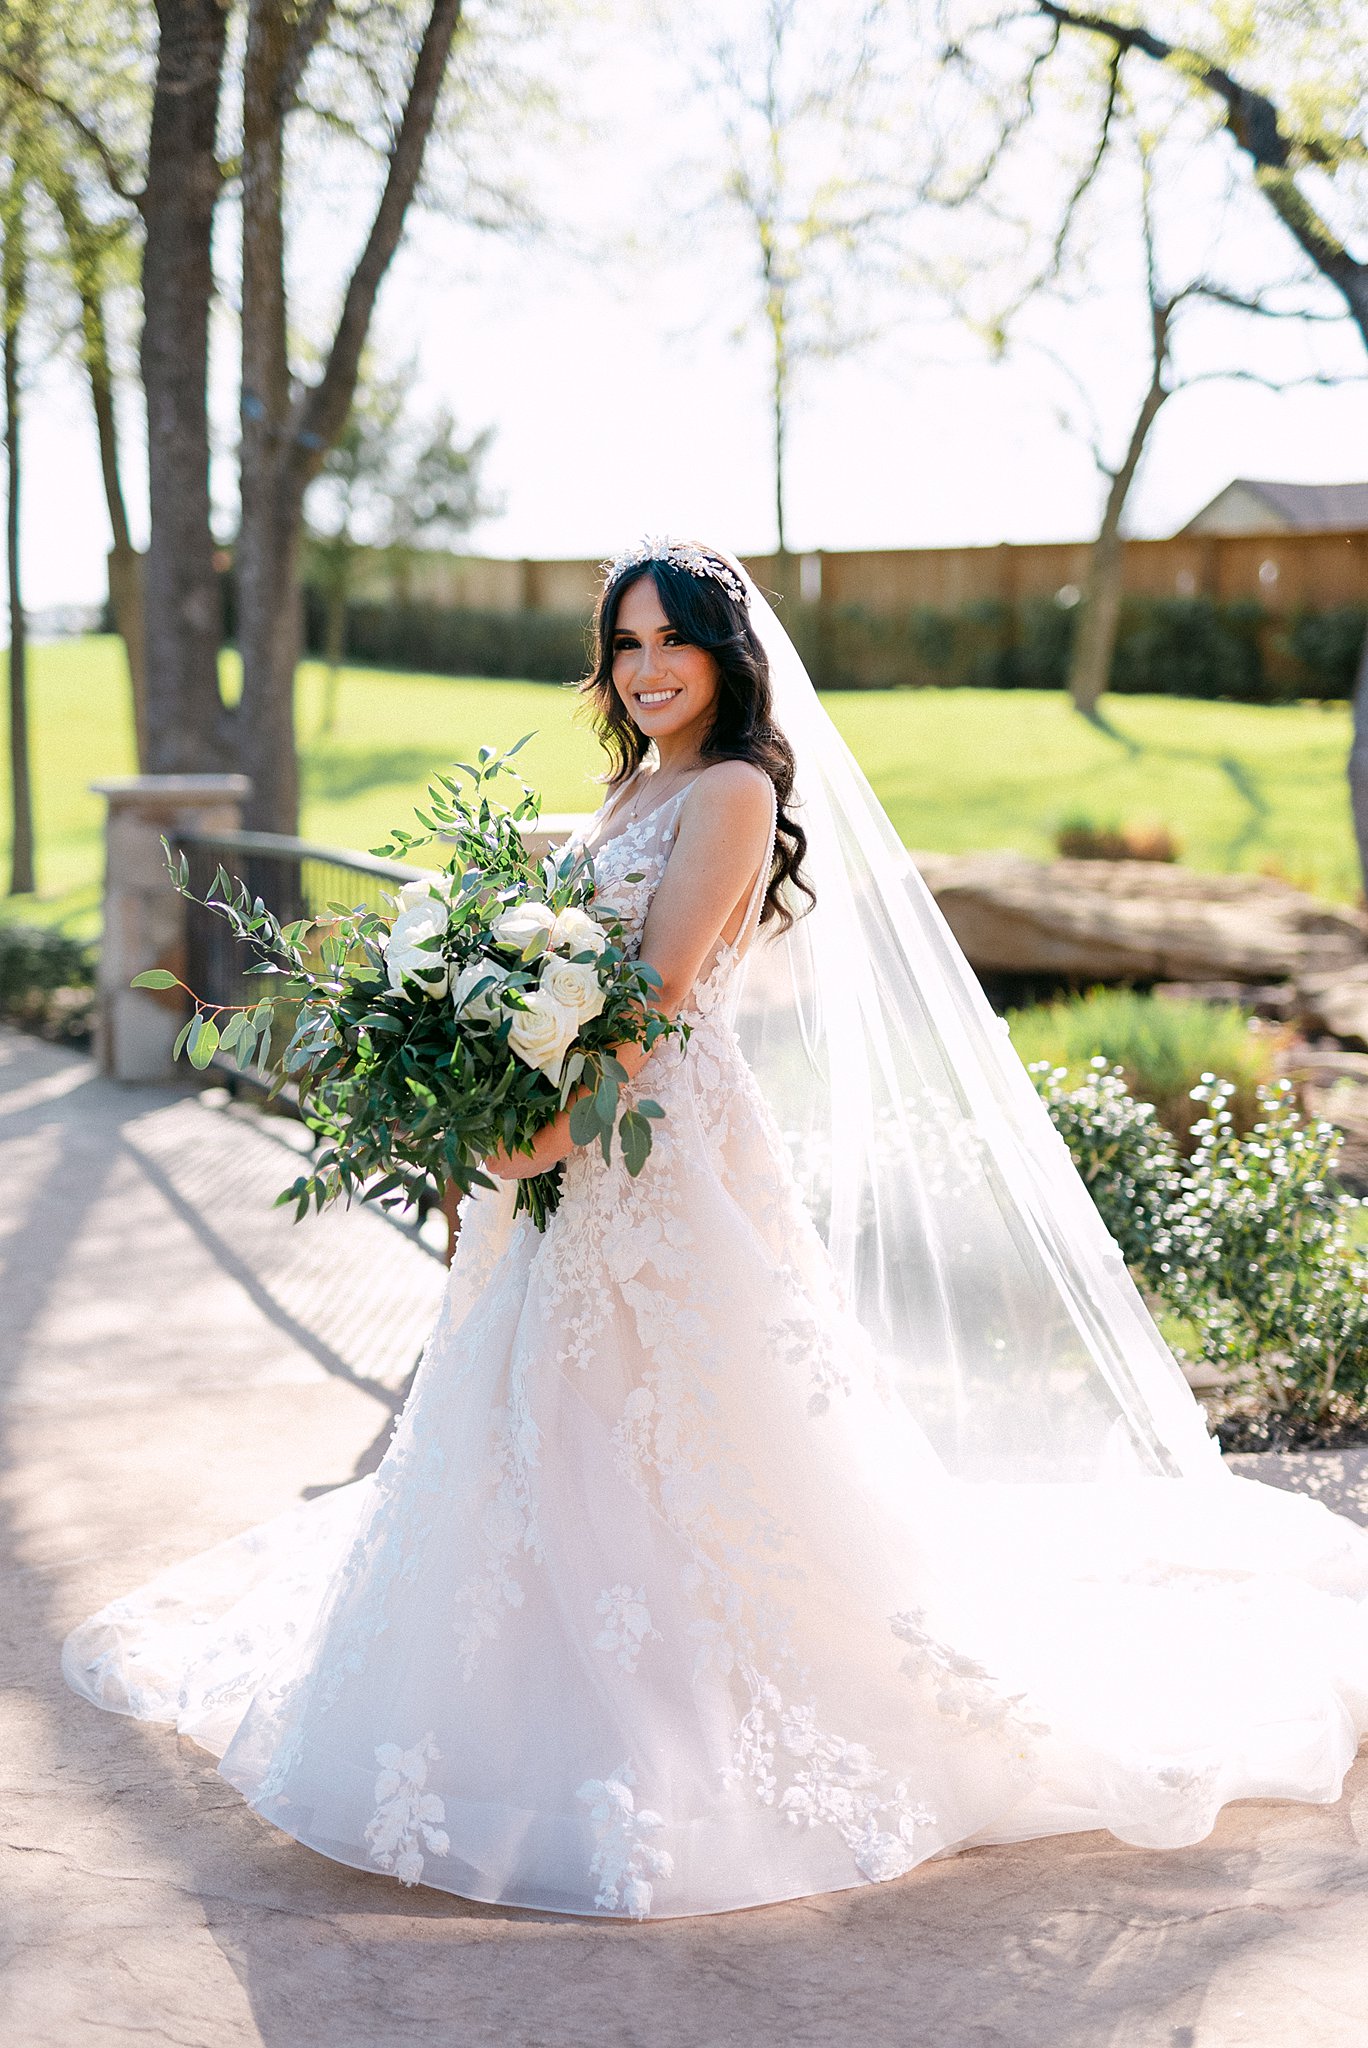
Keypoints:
pixel 1304 508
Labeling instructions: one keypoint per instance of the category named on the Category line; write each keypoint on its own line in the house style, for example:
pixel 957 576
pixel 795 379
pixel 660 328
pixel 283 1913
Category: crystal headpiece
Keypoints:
pixel 680 554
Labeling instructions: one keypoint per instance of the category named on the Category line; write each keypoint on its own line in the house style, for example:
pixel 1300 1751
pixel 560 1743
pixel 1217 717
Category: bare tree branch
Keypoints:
pixel 1253 120
pixel 309 32
pixel 321 410
pixel 117 174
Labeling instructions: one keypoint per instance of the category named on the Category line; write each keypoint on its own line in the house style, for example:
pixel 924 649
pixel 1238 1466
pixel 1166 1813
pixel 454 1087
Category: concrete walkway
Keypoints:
pixel 179 1361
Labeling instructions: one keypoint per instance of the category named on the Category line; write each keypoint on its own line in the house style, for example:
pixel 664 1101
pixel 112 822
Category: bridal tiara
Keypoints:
pixel 680 554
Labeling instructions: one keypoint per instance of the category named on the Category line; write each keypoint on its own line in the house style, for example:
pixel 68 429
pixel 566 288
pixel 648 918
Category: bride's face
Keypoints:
pixel 666 685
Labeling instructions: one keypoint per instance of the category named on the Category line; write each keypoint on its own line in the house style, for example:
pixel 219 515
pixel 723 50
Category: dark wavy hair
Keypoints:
pixel 703 612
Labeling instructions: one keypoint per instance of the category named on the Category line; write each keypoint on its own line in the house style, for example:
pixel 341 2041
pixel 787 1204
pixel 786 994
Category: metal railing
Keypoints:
pixel 293 877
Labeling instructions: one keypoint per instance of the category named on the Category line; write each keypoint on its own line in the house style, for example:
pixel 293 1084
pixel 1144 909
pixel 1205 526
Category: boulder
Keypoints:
pixel 1336 1004
pixel 1141 921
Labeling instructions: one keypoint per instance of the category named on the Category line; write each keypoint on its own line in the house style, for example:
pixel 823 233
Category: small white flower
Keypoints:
pixel 543 1033
pixel 575 931
pixel 575 985
pixel 407 958
pixel 484 1006
pixel 520 923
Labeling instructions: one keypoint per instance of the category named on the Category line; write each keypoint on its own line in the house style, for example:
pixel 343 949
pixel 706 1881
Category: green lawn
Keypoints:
pixel 1241 786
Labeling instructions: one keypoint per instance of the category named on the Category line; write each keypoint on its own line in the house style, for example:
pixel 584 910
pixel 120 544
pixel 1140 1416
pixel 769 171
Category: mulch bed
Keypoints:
pixel 1264 1431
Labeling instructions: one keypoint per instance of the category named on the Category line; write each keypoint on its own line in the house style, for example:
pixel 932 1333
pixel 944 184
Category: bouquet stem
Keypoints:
pixel 539 1196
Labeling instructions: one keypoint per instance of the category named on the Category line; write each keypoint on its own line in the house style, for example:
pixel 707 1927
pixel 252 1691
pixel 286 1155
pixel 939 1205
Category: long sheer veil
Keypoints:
pixel 968 1246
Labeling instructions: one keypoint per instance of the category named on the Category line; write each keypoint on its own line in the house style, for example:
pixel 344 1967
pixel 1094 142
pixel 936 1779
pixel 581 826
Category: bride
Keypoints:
pixel 819 1502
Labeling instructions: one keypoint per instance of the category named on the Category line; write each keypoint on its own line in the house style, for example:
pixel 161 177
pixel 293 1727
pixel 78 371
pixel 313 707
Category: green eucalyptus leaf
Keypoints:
pixel 635 1134
pixel 154 977
pixel 584 1120
pixel 203 1041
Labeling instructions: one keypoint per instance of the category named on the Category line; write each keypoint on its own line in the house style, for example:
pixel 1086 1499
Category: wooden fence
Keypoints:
pixel 1284 573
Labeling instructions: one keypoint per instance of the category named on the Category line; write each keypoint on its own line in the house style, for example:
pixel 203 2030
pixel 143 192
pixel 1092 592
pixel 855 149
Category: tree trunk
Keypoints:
pixel 284 440
pixel 268 532
pixel 269 637
pixel 185 721
pixel 22 881
pixel 1100 610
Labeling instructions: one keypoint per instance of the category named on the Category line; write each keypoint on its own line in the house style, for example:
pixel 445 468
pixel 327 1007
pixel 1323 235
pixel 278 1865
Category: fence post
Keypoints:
pixel 144 918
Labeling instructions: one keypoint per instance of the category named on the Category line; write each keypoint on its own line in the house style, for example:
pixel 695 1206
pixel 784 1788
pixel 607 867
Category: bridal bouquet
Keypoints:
pixel 462 1023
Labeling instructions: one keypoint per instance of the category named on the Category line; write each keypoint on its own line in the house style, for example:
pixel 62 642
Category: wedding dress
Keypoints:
pixel 689 1582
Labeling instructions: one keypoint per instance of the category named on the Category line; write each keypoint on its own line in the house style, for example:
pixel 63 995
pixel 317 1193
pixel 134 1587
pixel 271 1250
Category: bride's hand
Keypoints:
pixel 549 1147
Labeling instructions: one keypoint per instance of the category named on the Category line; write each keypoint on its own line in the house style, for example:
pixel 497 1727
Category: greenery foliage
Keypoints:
pixel 47 982
pixel 1161 1047
pixel 1250 1243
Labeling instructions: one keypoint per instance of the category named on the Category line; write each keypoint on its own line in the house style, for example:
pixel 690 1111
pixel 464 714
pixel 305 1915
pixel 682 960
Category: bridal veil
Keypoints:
pixel 967 1244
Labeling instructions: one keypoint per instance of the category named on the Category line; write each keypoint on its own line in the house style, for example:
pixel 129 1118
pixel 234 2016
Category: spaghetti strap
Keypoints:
pixel 615 796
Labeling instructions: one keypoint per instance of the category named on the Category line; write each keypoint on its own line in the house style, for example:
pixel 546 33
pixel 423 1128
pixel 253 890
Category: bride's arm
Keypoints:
pixel 724 830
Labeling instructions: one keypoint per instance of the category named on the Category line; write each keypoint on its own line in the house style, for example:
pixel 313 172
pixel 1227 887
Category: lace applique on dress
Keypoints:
pixel 406 1814
pixel 816 1778
pixel 508 1525
pixel 963 1689
pixel 626 1624
pixel 625 1862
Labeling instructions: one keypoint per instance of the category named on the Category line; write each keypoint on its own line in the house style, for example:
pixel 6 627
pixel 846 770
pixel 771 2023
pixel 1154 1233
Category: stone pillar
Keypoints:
pixel 144 918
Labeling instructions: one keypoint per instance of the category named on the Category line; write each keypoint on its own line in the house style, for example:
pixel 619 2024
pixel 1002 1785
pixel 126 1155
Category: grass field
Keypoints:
pixel 1241 786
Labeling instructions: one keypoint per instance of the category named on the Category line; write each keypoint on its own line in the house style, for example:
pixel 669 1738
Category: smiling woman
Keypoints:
pixel 679 673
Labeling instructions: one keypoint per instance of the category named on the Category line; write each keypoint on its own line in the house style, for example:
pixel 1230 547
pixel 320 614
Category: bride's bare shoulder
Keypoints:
pixel 732 796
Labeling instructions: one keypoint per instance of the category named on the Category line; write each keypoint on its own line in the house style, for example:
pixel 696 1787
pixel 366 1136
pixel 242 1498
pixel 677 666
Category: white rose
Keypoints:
pixel 543 1033
pixel 406 959
pixel 484 1007
pixel 576 932
pixel 574 984
pixel 520 923
pixel 428 887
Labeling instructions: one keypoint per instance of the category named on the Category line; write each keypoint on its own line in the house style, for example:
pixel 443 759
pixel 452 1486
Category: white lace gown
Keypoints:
pixel 660 1603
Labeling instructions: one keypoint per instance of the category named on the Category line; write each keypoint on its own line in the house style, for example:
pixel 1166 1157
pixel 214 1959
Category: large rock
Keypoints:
pixel 1336 1003
pixel 1101 920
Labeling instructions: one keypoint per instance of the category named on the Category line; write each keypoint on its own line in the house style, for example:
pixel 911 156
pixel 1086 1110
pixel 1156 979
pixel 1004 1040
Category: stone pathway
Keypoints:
pixel 178 1360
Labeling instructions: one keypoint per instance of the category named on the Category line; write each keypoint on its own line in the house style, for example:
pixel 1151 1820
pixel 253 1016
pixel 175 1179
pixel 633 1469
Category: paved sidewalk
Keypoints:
pixel 179 1361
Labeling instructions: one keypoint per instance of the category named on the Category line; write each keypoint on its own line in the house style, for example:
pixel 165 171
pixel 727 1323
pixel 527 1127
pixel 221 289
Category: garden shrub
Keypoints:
pixel 1257 1252
pixel 47 982
pixel 1190 647
pixel 1128 1161
pixel 1250 1243
pixel 548 647
pixel 1081 837
pixel 1161 1046
pixel 1328 645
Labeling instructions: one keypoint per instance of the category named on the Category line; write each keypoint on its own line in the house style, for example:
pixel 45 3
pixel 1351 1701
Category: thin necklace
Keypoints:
pixel 644 783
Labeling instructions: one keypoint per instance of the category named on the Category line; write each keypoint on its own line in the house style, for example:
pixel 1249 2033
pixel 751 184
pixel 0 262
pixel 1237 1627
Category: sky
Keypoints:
pixel 613 358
